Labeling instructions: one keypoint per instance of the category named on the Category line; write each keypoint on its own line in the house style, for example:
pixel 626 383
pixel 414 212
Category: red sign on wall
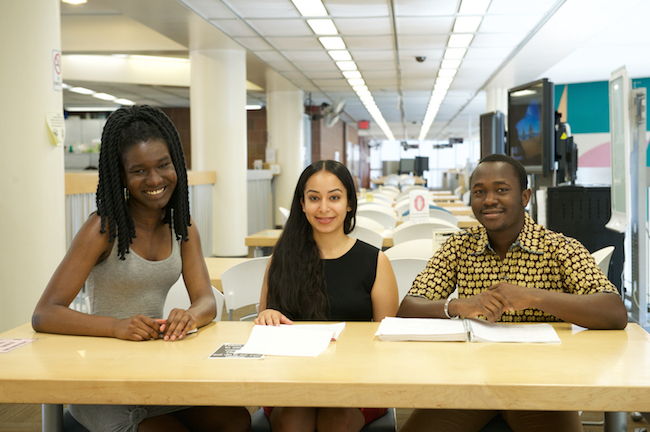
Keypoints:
pixel 364 124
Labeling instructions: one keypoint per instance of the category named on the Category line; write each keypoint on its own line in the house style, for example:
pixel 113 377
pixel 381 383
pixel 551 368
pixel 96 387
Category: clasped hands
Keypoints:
pixel 493 302
pixel 141 327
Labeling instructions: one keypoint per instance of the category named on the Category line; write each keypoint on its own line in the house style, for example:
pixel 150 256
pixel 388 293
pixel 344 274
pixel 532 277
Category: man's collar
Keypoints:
pixel 529 238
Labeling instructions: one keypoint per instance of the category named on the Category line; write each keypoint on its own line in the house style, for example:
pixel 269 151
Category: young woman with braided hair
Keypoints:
pixel 142 201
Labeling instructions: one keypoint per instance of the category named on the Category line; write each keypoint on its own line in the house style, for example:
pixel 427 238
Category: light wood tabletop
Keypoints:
pixel 590 370
pixel 216 266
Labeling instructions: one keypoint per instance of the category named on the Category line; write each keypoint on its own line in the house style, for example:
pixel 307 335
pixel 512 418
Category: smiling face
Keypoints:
pixel 149 174
pixel 497 199
pixel 325 203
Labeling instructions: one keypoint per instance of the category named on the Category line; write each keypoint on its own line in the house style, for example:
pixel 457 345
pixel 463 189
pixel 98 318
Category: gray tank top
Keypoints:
pixel 122 289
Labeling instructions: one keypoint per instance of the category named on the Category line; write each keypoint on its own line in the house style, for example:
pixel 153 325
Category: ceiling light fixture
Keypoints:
pixel 468 24
pixel 474 6
pixel 352 75
pixel 460 40
pixel 253 107
pixel 356 81
pixel 123 101
pixel 104 96
pixel 358 88
pixel 310 7
pixel 332 42
pixel 450 64
pixel 82 90
pixel 454 53
pixel 75 2
pixel 447 72
pixel 346 65
pixel 322 26
pixel 339 55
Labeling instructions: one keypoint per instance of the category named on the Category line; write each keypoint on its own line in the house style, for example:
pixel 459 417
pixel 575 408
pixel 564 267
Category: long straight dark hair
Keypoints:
pixel 296 281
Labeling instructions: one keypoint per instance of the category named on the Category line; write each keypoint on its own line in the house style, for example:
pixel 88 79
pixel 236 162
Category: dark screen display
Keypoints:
pixel 525 134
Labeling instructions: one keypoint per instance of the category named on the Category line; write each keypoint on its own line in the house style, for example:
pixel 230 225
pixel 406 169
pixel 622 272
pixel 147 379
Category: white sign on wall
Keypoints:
pixel 419 208
pixel 56 70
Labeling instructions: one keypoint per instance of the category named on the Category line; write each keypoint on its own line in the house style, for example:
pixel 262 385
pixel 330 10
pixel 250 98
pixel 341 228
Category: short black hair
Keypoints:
pixel 520 171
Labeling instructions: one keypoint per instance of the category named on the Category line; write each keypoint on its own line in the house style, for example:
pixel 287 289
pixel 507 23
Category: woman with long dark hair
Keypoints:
pixel 318 272
pixel 142 201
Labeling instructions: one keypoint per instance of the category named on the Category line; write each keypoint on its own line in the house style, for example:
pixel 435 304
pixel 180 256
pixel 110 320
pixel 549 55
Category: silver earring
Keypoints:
pixel 126 194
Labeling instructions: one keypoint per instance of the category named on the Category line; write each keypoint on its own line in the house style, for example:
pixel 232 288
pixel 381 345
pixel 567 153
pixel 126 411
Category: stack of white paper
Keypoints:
pixel 291 340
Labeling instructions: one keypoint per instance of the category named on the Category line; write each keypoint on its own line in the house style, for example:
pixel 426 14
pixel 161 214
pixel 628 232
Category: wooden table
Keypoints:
pixel 458 210
pixel 590 370
pixel 268 238
pixel 216 266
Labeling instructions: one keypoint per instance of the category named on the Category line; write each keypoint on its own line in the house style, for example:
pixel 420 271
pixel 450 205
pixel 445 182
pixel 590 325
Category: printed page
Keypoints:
pixel 336 329
pixel 421 329
pixel 483 331
pixel 287 340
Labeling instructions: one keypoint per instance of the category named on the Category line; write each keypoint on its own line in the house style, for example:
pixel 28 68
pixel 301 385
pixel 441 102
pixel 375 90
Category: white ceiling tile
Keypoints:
pixel 426 7
pixel 518 7
pixel 362 27
pixel 376 74
pixel 424 25
pixel 421 84
pixel 368 42
pixel 331 85
pixel 254 43
pixel 308 56
pixel 357 8
pixel 422 42
pixel 233 28
pixel 310 66
pixel 282 66
pixel 375 65
pixel 270 56
pixel 295 43
pixel 480 53
pixel 281 27
pixel 264 8
pixel 503 23
pixel 321 74
pixel 497 39
pixel 211 9
pixel 367 55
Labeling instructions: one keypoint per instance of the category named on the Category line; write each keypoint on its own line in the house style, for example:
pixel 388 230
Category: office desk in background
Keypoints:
pixel 216 266
pixel 590 370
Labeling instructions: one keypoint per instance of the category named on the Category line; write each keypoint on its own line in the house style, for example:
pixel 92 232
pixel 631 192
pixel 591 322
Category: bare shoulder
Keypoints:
pixel 89 238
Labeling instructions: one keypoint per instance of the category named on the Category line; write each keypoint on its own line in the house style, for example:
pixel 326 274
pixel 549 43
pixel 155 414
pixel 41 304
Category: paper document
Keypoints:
pixel 7 345
pixel 289 340
pixel 469 329
pixel 228 350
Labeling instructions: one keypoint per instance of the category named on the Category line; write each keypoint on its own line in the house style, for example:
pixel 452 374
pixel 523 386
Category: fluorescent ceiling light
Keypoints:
pixel 356 82
pixel 75 2
pixel 123 101
pixel 474 6
pixel 450 64
pixel 447 72
pixel 454 53
pixel 460 40
pixel 310 7
pixel 323 26
pixel 332 42
pixel 82 90
pixel 346 65
pixel 363 93
pixel 66 86
pixel 253 107
pixel 359 88
pixel 444 80
pixel 467 24
pixel 352 74
pixel 339 55
pixel 104 96
pixel 441 86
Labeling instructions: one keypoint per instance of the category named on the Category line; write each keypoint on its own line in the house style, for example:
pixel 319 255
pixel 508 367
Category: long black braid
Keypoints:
pixel 125 128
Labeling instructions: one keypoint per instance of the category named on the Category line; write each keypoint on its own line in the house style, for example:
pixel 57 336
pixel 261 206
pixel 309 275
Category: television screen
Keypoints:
pixel 493 133
pixel 421 165
pixel 406 166
pixel 531 126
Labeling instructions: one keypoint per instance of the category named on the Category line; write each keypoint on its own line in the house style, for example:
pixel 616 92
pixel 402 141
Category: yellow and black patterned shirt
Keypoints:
pixel 539 258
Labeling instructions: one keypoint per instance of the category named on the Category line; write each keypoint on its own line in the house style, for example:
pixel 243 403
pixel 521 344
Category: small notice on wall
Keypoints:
pixel 56 126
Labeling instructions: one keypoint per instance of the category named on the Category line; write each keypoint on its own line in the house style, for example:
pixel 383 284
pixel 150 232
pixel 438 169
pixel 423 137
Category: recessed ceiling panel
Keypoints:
pixel 211 9
pixel 425 7
pixel 264 8
pixel 369 55
pixel 501 23
pixel 368 42
pixel 254 43
pixel 357 8
pixel 409 42
pixel 296 43
pixel 233 28
pixel 308 56
pixel 363 27
pixel 281 27
pixel 424 25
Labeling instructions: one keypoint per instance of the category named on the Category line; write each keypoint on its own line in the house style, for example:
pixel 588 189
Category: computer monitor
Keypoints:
pixel 406 166
pixel 421 165
pixel 493 133
pixel 531 126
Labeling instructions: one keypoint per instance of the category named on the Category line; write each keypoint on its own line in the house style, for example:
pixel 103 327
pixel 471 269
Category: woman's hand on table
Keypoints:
pixel 137 328
pixel 271 317
pixel 179 323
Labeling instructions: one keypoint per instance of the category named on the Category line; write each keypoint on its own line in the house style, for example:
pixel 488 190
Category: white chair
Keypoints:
pixel 406 269
pixel 365 222
pixel 412 231
pixel 405 182
pixel 372 205
pixel 466 198
pixel 420 248
pixel 375 201
pixel 369 236
pixel 602 258
pixel 285 215
pixel 438 214
pixel 458 191
pixel 178 297
pixel 390 191
pixel 383 198
pixel 242 284
pixel 387 219
pixel 391 180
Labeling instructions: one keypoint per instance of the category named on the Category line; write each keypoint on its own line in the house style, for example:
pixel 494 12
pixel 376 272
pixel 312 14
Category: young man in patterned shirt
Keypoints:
pixel 510 269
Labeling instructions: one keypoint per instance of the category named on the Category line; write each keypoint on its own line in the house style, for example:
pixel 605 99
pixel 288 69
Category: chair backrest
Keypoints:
pixel 391 180
pixel 406 269
pixel 602 258
pixel 177 297
pixel 412 231
pixel 389 191
pixel 466 198
pixel 285 215
pixel 459 191
pixel 387 220
pixel 369 236
pixel 362 221
pixel 378 196
pixel 435 212
pixel 420 248
pixel 376 201
pixel 242 283
pixel 379 206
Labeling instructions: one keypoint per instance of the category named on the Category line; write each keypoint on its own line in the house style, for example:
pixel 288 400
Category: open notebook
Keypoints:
pixel 468 329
